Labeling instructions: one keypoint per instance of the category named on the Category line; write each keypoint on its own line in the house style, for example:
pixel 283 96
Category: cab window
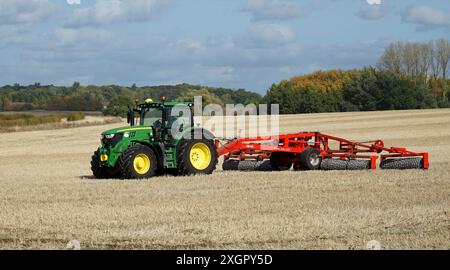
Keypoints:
pixel 152 117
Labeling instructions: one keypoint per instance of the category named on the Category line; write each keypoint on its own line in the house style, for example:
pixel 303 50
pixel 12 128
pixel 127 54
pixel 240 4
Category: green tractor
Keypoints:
pixel 161 138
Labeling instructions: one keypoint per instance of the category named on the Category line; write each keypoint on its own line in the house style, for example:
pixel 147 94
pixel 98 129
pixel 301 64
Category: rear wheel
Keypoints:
pixel 310 159
pixel 196 157
pixel 138 162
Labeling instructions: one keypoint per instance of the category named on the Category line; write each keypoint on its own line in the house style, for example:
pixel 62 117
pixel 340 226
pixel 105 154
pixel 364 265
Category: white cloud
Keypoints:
pixel 266 34
pixel 24 11
pixel 113 11
pixel 374 2
pixel 427 17
pixel 373 11
pixel 73 2
pixel 274 9
pixel 81 37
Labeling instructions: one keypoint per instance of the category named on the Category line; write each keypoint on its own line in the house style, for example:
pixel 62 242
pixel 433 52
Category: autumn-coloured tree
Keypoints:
pixel 323 81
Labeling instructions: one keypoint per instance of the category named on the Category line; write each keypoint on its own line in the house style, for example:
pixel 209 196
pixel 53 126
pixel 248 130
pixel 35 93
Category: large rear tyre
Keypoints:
pixel 278 164
pixel 138 162
pixel 196 157
pixel 310 159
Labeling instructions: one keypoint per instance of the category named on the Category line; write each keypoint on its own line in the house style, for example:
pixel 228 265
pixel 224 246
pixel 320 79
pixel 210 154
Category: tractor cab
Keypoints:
pixel 168 119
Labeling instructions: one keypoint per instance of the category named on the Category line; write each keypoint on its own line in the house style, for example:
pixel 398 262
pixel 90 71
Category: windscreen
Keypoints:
pixel 152 117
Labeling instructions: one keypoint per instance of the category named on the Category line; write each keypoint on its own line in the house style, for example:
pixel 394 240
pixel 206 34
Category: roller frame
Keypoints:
pixel 260 148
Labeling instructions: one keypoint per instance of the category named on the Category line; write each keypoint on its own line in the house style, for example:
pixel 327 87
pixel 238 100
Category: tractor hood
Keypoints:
pixel 126 129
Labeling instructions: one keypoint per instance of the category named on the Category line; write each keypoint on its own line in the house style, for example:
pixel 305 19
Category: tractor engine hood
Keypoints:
pixel 127 129
pixel 120 136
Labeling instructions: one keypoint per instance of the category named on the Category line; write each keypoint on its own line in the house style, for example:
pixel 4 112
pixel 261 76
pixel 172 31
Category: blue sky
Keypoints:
pixel 229 43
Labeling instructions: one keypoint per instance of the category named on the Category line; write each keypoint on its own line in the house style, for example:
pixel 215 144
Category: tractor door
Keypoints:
pixel 179 118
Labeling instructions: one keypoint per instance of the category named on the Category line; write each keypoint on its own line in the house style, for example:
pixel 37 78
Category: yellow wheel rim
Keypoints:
pixel 200 156
pixel 141 163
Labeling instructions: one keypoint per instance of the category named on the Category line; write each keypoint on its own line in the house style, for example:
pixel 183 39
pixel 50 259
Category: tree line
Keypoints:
pixel 111 99
pixel 415 59
pixel 408 75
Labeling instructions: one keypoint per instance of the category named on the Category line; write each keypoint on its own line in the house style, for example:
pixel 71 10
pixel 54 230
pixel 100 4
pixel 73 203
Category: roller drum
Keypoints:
pixel 333 164
pixel 402 163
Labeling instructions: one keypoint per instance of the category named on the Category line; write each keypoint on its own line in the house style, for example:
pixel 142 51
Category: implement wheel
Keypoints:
pixel 138 162
pixel 277 163
pixel 230 165
pixel 310 159
pixel 196 157
pixel 402 163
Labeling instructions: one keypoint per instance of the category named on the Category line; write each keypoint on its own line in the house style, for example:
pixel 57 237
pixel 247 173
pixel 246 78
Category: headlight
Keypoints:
pixel 111 140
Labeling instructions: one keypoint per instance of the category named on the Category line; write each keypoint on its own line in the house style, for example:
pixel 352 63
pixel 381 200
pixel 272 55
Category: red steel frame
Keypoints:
pixel 262 147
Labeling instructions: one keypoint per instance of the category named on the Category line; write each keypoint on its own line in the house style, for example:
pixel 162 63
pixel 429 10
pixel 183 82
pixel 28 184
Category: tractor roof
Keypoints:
pixel 166 104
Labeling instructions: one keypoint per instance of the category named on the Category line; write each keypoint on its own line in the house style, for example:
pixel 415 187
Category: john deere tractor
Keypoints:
pixel 161 138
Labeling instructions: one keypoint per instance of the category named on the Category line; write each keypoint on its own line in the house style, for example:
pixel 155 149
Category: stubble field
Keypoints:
pixel 48 197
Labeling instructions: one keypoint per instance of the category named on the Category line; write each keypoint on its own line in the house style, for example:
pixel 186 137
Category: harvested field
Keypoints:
pixel 48 197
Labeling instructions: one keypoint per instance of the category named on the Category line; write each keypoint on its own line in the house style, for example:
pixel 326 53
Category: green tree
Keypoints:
pixel 358 92
pixel 208 97
pixel 118 106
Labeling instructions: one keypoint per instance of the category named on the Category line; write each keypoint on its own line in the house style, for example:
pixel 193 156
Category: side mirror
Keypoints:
pixel 130 116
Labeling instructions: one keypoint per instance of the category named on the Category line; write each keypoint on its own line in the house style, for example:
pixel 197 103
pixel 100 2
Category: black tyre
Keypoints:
pixel 196 157
pixel 277 163
pixel 247 165
pixel 333 164
pixel 138 162
pixel 310 159
pixel 298 167
pixel 98 171
pixel 263 165
pixel 402 164
pixel 356 164
pixel 254 165
pixel 230 165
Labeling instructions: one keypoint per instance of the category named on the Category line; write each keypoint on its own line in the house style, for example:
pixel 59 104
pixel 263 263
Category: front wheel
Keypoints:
pixel 196 157
pixel 98 171
pixel 138 162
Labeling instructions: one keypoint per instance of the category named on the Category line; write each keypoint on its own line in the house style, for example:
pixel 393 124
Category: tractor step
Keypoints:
pixel 169 154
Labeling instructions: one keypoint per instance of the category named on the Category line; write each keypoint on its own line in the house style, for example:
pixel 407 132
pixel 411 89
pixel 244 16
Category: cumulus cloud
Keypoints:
pixel 114 11
pixel 426 17
pixel 268 34
pixel 80 37
pixel 373 11
pixel 274 9
pixel 24 11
